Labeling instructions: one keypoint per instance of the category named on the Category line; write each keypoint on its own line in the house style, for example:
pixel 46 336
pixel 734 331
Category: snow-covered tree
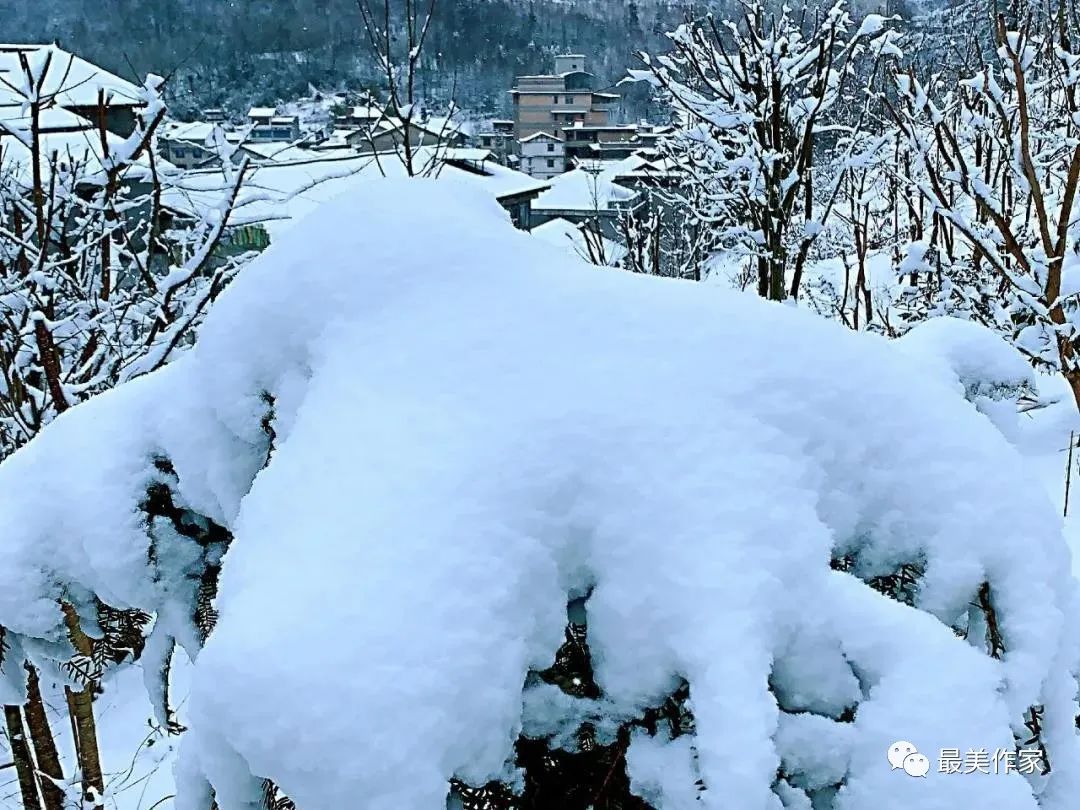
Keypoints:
pixel 371 512
pixel 395 32
pixel 97 286
pixel 998 162
pixel 98 282
pixel 756 97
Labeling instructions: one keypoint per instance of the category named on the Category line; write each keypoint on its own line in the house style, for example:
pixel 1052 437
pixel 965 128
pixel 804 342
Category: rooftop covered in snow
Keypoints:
pixel 281 193
pixel 71 80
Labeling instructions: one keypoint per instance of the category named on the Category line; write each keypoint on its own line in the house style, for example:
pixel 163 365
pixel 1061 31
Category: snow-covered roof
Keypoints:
pixel 555 91
pixel 15 118
pixel 541 136
pixel 281 194
pixel 587 189
pixel 279 151
pixel 284 119
pixel 262 112
pixel 366 112
pixel 439 126
pixel 81 148
pixel 464 153
pixel 71 79
pixel 444 125
pixel 605 127
pixel 197 132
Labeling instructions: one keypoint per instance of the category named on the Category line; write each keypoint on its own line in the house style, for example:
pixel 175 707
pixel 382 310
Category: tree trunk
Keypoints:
pixel 777 268
pixel 24 763
pixel 48 760
pixel 1073 378
pixel 81 708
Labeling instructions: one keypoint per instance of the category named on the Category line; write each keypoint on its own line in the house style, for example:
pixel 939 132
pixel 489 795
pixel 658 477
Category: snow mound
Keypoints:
pixel 978 358
pixel 990 373
pixel 419 434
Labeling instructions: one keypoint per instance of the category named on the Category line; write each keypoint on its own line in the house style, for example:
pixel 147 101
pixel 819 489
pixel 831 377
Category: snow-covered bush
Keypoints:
pixel 369 496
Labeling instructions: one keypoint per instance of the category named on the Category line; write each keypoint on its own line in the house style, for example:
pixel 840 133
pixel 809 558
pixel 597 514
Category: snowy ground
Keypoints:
pixel 1044 441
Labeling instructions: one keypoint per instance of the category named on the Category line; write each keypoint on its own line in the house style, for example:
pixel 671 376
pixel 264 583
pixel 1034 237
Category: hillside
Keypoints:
pixel 258 51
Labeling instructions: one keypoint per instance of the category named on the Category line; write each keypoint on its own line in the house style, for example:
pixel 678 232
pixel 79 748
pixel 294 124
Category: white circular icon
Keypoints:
pixel 898 751
pixel 916 765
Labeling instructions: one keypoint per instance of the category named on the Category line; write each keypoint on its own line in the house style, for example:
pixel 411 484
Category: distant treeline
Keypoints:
pixel 233 53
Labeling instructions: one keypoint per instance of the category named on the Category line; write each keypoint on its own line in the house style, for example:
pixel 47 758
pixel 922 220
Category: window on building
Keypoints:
pixel 551 163
pixel 569 99
pixel 551 147
pixel 554 99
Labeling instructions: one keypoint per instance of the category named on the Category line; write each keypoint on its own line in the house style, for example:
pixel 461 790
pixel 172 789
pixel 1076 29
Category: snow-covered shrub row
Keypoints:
pixel 409 436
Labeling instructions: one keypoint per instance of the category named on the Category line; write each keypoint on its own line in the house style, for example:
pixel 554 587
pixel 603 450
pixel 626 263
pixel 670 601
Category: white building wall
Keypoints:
pixel 543 158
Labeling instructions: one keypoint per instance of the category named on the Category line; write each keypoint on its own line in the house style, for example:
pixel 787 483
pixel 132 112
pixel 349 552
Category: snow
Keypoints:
pixel 79 147
pixel 589 188
pixel 978 359
pixel 198 132
pixel 469 431
pixel 16 119
pixel 71 80
pixel 988 371
pixel 662 771
pixel 568 236
pixel 137 754
pixel 281 194
pixel 277 151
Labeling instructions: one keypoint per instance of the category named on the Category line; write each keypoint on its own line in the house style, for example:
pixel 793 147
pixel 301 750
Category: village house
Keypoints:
pixel 592 193
pixel 261 116
pixel 187 145
pixel 388 135
pixel 542 155
pixel 267 125
pixel 362 116
pixel 601 141
pixel 499 140
pixel 79 87
pixel 549 103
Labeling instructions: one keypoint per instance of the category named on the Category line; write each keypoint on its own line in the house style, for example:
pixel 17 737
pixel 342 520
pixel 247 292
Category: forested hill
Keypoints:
pixel 238 52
